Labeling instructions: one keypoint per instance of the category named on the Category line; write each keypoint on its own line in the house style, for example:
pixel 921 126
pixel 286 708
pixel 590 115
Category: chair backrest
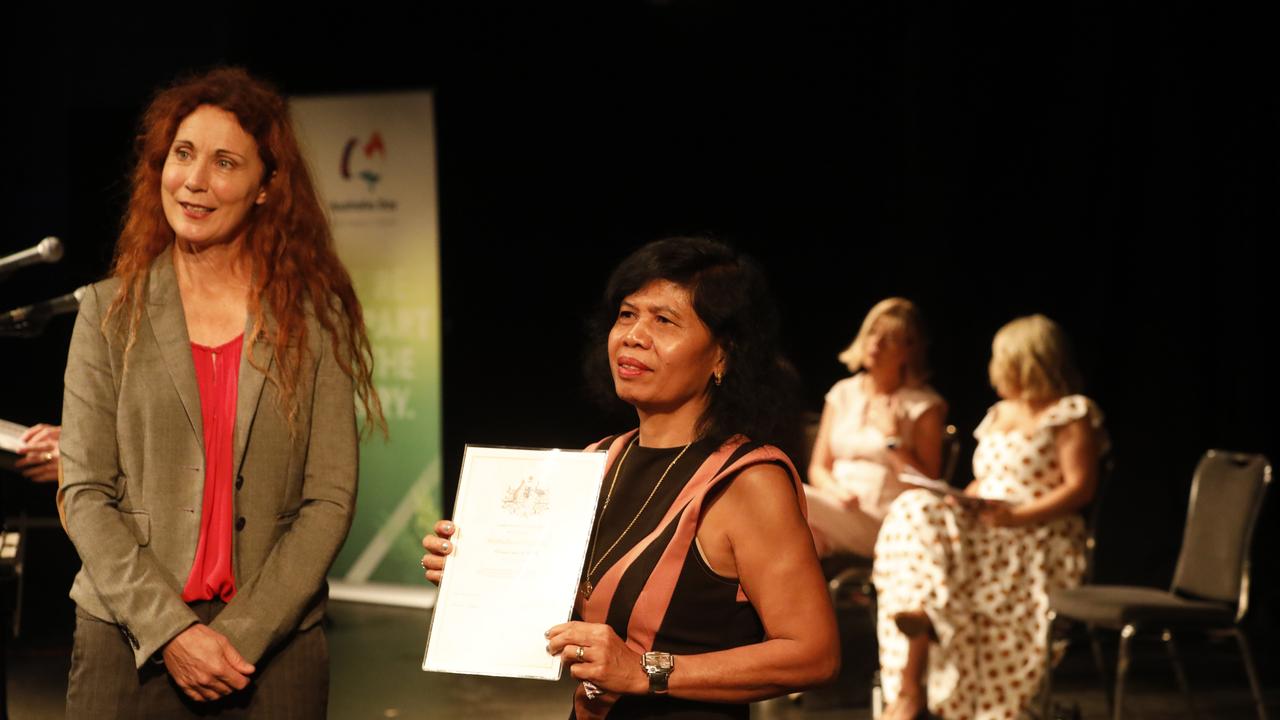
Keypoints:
pixel 1226 495
pixel 812 422
pixel 950 454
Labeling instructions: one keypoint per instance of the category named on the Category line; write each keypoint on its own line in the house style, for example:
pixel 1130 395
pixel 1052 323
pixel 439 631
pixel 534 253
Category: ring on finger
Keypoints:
pixel 580 653
pixel 47 456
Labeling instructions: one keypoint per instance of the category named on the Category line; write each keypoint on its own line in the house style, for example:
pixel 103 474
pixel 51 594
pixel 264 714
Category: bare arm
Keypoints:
pixel 822 461
pixel 776 564
pixel 926 457
pixel 758 517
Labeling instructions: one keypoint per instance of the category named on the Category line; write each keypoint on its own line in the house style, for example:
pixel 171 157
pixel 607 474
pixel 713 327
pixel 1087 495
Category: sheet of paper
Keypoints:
pixel 939 487
pixel 523 521
pixel 10 436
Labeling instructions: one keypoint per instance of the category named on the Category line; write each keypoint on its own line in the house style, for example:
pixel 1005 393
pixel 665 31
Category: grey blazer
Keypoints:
pixel 133 477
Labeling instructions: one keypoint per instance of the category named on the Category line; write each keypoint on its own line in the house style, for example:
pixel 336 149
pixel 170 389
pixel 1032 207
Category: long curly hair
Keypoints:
pixel 287 243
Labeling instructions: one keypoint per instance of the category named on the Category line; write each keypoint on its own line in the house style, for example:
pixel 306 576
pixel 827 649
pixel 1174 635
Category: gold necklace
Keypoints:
pixel 587 586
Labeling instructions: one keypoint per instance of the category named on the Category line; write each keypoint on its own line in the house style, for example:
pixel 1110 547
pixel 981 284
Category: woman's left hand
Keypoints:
pixel 596 654
pixel 39 451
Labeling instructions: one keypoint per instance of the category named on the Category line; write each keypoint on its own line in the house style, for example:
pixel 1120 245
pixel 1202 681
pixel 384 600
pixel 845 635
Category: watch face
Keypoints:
pixel 658 661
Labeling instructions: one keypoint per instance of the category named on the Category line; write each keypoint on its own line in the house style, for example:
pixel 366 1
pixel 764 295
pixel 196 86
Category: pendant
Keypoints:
pixel 585 588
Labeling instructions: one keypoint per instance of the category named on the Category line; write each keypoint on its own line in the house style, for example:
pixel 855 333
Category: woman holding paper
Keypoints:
pixel 882 421
pixel 963 588
pixel 38 452
pixel 701 591
pixel 209 438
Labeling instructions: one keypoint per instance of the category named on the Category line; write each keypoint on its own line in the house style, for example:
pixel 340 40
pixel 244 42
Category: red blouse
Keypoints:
pixel 218 377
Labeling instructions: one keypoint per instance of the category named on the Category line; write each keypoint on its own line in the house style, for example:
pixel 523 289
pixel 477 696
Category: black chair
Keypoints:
pixel 812 423
pixel 950 454
pixel 1210 589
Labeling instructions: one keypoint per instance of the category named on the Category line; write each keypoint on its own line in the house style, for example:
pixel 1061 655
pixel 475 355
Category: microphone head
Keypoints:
pixel 50 249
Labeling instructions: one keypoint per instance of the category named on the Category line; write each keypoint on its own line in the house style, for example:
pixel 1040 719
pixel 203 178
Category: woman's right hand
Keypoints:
pixel 969 501
pixel 205 665
pixel 847 498
pixel 999 513
pixel 39 452
pixel 825 483
pixel 438 546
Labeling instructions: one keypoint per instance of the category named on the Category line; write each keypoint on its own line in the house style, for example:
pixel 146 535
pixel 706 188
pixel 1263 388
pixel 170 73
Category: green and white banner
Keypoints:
pixel 373 160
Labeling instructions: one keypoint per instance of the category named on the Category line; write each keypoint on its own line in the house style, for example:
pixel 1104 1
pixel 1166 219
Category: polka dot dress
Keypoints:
pixel 985 589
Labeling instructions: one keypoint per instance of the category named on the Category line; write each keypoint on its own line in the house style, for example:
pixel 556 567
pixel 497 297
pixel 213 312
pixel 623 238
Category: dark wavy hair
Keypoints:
pixel 758 396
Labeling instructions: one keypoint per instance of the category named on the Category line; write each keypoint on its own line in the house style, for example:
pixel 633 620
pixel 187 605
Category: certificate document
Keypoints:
pixel 523 520
pixel 941 488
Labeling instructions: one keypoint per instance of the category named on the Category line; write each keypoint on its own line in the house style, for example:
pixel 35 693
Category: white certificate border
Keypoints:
pixel 581 554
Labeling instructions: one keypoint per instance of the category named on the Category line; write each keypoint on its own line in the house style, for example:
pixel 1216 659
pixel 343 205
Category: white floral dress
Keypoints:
pixel 985 589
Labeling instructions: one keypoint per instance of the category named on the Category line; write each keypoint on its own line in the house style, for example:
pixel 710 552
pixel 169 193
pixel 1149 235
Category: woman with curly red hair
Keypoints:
pixel 209 434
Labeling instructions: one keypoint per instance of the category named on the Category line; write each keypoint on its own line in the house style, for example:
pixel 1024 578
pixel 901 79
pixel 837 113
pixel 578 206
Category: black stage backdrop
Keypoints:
pixel 1113 167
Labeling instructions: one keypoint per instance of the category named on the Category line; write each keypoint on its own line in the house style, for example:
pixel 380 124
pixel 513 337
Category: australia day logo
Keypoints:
pixel 363 161
pixel 369 157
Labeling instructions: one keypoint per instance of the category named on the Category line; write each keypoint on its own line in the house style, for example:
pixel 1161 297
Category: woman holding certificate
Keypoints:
pixel 209 439
pixel 701 591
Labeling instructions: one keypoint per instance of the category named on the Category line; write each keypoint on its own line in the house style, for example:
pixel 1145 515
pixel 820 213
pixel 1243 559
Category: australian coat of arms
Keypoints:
pixel 526 498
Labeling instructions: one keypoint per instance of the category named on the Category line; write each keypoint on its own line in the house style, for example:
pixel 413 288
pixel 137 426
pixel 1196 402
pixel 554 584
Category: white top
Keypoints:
pixel 860 461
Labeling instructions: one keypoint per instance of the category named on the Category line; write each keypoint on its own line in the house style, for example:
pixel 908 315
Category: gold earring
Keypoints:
pixel 718 376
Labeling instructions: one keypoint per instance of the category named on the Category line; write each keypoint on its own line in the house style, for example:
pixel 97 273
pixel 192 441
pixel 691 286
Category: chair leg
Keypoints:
pixel 868 589
pixel 1249 670
pixel 1046 692
pixel 1122 669
pixel 1100 661
pixel 1178 671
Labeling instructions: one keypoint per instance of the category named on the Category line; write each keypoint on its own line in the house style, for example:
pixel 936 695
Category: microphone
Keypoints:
pixel 30 320
pixel 48 250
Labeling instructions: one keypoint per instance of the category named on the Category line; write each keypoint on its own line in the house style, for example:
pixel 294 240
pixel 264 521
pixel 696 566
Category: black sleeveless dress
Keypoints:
pixel 707 611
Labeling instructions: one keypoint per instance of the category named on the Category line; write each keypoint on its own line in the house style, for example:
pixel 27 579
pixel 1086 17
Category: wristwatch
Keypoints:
pixel 658 666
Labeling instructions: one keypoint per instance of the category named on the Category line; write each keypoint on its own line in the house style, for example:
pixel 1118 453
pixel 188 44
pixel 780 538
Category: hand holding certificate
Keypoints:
pixel 10 443
pixel 685 334
pixel 523 519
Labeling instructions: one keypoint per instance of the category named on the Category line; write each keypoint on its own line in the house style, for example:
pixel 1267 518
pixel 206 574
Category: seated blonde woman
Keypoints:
pixel 963 589
pixel 876 424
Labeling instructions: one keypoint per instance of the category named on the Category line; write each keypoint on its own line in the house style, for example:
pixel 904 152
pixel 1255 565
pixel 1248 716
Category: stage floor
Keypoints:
pixel 377 653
